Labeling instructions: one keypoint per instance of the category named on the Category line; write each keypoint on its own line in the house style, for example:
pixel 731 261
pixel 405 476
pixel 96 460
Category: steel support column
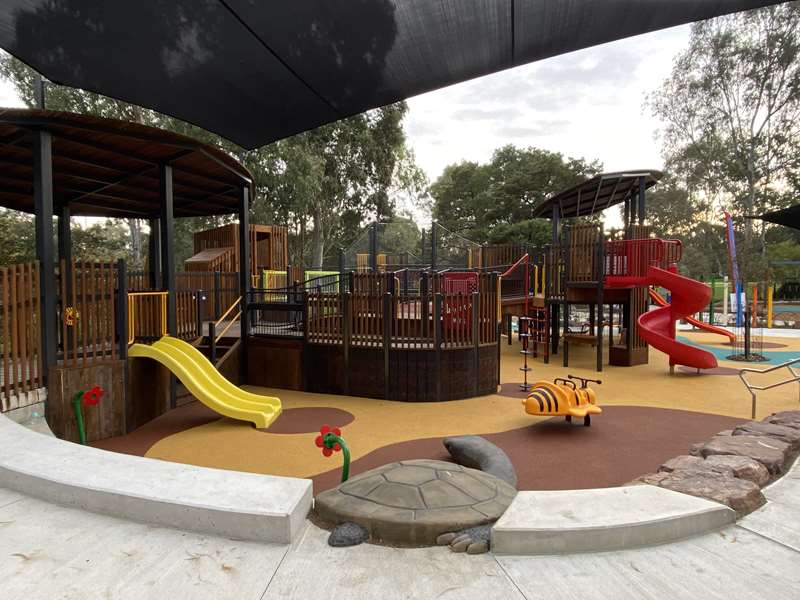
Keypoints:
pixel 154 254
pixel 43 206
pixel 244 277
pixel 167 245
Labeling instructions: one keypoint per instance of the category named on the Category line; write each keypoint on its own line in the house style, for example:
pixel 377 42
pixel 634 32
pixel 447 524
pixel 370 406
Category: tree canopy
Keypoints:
pixel 493 202
pixel 731 135
pixel 323 184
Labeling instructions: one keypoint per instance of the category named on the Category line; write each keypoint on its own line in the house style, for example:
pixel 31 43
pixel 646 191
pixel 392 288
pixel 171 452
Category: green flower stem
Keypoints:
pixel 77 407
pixel 330 440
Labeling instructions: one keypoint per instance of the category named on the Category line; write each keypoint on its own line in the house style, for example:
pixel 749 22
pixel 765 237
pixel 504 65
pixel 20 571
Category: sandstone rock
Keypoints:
pixel 694 449
pixel 741 495
pixel 680 462
pixel 743 467
pixel 476 452
pixel 769 452
pixel 788 418
pixel 725 432
pixel 780 432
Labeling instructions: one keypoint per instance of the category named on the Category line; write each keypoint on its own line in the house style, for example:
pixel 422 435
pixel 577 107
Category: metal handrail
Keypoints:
pixel 754 388
pixel 213 336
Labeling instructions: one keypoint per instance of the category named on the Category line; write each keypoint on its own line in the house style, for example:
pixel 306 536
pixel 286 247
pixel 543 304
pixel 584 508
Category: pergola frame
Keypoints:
pixel 47 194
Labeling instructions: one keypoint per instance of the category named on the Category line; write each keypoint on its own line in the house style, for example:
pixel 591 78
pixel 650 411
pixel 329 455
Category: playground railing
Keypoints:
pixel 147 316
pixel 231 317
pixel 21 340
pixel 752 388
pixel 632 258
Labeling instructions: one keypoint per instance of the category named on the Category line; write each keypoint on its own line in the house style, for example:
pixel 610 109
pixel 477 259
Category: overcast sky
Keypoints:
pixel 587 104
pixel 584 104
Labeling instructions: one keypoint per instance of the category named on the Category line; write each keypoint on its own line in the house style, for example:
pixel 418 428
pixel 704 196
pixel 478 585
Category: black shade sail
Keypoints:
pixel 255 71
pixel 789 217
pixel 596 194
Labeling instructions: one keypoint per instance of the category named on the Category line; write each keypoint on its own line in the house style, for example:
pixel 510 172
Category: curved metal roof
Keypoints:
pixel 596 194
pixel 110 168
pixel 258 71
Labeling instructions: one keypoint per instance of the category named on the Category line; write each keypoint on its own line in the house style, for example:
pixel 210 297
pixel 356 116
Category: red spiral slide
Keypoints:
pixel 658 299
pixel 657 327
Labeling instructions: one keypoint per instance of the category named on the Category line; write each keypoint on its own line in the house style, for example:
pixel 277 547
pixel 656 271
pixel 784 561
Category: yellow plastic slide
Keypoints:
pixel 207 384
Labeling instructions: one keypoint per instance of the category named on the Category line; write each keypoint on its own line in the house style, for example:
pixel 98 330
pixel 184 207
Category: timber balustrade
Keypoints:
pixel 21 350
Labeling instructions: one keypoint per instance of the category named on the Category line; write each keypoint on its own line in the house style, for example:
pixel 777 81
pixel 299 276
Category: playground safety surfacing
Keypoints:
pixel 649 416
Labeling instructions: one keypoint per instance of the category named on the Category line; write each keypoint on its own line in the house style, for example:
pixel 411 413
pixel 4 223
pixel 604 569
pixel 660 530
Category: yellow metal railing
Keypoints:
pixel 137 302
pixel 213 336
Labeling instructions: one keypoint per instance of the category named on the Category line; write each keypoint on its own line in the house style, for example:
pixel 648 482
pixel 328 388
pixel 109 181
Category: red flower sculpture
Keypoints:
pixel 320 441
pixel 93 396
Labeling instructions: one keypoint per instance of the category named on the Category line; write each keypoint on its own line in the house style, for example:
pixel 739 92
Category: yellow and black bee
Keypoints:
pixel 563 398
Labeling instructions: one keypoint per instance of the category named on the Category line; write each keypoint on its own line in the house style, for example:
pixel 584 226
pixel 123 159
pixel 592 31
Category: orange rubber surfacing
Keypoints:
pixel 693 400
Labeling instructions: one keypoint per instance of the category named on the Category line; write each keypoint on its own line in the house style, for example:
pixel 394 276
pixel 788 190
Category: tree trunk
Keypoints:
pixel 136 241
pixel 317 241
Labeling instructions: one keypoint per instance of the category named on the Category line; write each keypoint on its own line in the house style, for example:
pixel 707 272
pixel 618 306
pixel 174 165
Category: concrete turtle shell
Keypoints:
pixel 412 502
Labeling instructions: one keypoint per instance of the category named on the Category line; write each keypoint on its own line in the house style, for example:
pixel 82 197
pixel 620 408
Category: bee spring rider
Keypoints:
pixel 563 398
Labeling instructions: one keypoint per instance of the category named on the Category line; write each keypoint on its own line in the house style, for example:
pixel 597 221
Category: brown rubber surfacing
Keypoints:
pixel 195 414
pixel 622 443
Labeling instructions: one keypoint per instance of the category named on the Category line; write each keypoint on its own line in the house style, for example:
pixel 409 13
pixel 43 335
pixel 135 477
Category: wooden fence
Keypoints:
pixel 410 321
pixel 87 312
pixel 21 333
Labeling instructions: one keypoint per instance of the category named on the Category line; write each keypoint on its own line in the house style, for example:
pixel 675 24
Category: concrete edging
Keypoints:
pixel 570 521
pixel 233 504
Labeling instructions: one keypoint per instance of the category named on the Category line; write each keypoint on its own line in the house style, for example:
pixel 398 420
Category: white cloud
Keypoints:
pixel 584 104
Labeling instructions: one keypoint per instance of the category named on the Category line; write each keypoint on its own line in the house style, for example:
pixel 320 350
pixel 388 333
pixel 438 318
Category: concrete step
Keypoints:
pixel 569 521
pixel 230 504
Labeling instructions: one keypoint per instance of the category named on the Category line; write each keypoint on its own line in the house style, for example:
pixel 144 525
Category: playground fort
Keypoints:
pixel 379 325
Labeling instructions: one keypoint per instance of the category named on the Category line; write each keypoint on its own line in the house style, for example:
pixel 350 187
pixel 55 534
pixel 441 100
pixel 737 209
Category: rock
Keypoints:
pixel 694 449
pixel 769 452
pixel 725 432
pixel 475 540
pixel 680 462
pixel 783 433
pixel 743 467
pixel 788 418
pixel 476 452
pixel 413 502
pixel 348 534
pixel 741 495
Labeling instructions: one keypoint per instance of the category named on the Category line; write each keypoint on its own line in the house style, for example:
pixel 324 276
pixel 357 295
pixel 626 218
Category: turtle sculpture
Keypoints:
pixel 417 503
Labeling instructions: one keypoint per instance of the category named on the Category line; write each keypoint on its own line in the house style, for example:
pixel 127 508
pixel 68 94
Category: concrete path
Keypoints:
pixel 52 552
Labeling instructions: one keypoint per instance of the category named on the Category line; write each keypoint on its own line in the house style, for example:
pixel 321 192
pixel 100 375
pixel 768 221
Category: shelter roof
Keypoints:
pixel 596 194
pixel 110 168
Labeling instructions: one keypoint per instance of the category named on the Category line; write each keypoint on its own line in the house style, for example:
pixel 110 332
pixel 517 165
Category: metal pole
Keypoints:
pixel 476 339
pixel 154 254
pixel 212 341
pixel 199 299
pixel 244 277
pixel 217 295
pixel 641 203
pixel 43 207
pixel 373 247
pixel 346 334
pixel 387 328
pixel 40 92
pixel 437 342
pixel 122 309
pixel 434 244
pixel 167 244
